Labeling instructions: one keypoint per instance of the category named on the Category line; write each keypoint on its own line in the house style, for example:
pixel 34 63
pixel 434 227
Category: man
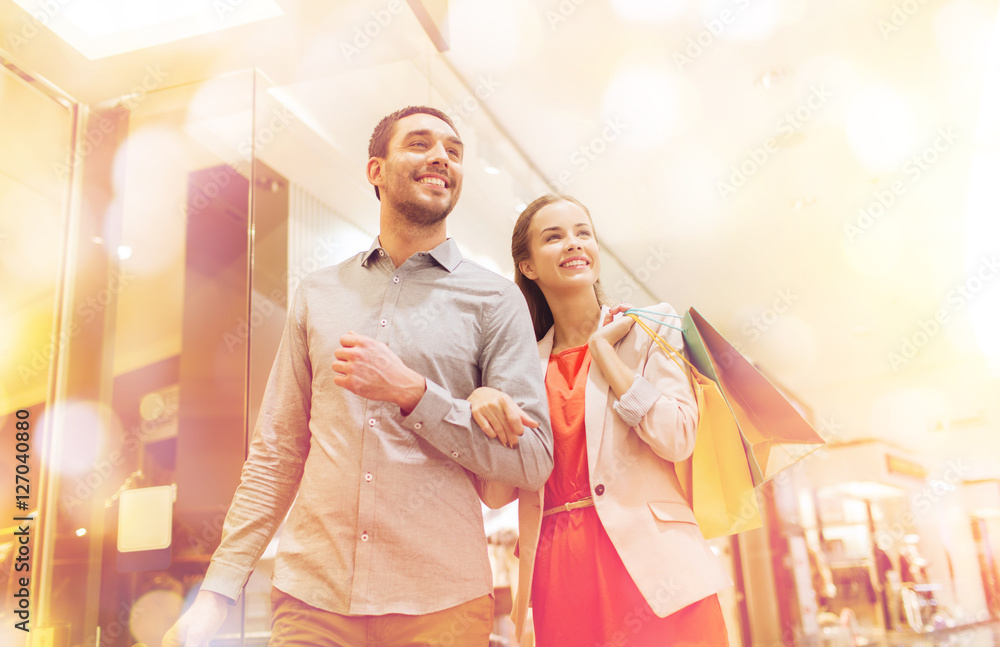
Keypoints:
pixel 365 426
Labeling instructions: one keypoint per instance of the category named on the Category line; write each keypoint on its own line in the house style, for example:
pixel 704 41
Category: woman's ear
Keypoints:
pixel 527 270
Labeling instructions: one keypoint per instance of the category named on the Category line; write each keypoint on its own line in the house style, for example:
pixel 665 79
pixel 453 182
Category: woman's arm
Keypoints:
pixel 655 398
pixel 499 417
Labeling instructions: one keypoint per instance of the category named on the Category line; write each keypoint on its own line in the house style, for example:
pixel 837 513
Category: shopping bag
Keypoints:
pixel 716 478
pixel 774 432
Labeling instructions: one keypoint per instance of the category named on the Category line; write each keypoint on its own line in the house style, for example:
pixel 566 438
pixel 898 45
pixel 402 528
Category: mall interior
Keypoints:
pixel 817 179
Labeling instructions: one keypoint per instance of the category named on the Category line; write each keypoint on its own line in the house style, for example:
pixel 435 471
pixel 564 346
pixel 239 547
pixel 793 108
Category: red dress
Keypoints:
pixel 581 594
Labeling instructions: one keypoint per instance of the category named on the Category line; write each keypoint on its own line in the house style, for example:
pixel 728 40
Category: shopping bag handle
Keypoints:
pixel 645 314
pixel 669 350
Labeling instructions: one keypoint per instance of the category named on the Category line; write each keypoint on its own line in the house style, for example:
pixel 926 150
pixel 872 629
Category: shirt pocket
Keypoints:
pixel 672 511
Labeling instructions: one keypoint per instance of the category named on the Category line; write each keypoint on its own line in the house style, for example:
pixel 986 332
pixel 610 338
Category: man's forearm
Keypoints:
pixel 447 424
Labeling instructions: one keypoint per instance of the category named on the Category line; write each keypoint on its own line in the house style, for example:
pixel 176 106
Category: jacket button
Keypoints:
pixel 599 490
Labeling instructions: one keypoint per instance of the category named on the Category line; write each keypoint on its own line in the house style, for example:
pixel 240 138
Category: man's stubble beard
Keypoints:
pixel 420 214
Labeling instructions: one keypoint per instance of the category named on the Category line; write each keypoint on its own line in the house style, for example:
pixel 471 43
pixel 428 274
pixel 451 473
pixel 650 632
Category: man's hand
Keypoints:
pixel 498 415
pixel 200 623
pixel 368 368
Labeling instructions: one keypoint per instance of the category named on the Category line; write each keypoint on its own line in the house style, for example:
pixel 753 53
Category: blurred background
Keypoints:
pixel 817 179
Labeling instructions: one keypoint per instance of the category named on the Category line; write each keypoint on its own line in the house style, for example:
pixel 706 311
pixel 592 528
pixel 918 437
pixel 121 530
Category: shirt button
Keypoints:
pixel 371 422
pixel 395 279
pixel 384 322
pixel 381 253
pixel 418 425
pixel 599 490
pixel 364 536
pixel 369 477
pixel 454 454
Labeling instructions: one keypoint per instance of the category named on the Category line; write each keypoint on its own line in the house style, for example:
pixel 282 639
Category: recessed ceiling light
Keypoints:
pixel 124 252
pixel 101 28
pixel 492 170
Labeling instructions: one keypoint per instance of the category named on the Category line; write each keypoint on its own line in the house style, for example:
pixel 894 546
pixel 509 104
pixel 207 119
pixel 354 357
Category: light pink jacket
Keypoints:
pixel 632 479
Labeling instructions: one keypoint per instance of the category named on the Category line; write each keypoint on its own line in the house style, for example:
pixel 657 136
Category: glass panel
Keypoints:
pixel 35 138
pixel 153 386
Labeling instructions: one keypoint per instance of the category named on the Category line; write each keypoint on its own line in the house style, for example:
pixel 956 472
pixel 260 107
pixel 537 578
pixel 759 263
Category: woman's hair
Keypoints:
pixel 520 250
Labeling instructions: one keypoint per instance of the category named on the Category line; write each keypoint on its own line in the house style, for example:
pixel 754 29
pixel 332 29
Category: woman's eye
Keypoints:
pixel 552 237
pixel 583 232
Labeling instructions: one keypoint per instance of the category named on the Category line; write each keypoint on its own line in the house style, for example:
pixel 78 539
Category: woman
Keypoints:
pixel 610 553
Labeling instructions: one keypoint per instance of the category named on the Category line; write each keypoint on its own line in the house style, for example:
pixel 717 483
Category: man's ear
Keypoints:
pixel 374 171
pixel 527 270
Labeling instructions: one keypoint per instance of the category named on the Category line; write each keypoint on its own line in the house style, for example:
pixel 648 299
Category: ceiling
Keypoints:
pixel 812 176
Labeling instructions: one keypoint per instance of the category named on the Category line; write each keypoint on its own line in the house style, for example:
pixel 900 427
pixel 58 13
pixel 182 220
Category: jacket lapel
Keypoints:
pixel 595 408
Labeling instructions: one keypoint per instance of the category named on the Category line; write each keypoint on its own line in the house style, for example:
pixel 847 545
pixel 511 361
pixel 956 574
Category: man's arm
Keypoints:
pixel 509 363
pixel 268 485
pixel 508 360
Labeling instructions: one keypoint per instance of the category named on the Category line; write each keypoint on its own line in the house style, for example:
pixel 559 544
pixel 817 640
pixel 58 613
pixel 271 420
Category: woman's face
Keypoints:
pixel 564 252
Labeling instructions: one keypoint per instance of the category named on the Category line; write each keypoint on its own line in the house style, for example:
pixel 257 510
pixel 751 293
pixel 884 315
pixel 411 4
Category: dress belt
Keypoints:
pixel 572 505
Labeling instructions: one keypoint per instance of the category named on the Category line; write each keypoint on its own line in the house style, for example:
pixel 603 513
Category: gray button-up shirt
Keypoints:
pixel 385 516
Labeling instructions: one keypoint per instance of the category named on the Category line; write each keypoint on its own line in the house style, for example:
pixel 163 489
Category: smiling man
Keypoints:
pixel 365 438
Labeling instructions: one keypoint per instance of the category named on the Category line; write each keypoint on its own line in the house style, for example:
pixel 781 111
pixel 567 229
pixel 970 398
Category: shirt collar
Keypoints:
pixel 446 254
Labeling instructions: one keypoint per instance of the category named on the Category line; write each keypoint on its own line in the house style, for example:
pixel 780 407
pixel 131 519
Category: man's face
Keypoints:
pixel 421 175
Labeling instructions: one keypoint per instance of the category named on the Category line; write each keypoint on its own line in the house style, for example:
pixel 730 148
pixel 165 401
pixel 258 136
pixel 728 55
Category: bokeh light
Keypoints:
pixel 648 102
pixel 153 614
pixel 748 19
pixel 880 128
pixel 149 179
pixel 494 35
pixel 646 11
pixel 83 429
pixel 962 32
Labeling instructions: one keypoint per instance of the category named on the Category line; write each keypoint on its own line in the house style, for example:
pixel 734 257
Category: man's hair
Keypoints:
pixel 378 145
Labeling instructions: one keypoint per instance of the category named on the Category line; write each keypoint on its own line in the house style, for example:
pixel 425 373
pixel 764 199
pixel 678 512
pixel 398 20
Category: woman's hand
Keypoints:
pixel 499 416
pixel 612 330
